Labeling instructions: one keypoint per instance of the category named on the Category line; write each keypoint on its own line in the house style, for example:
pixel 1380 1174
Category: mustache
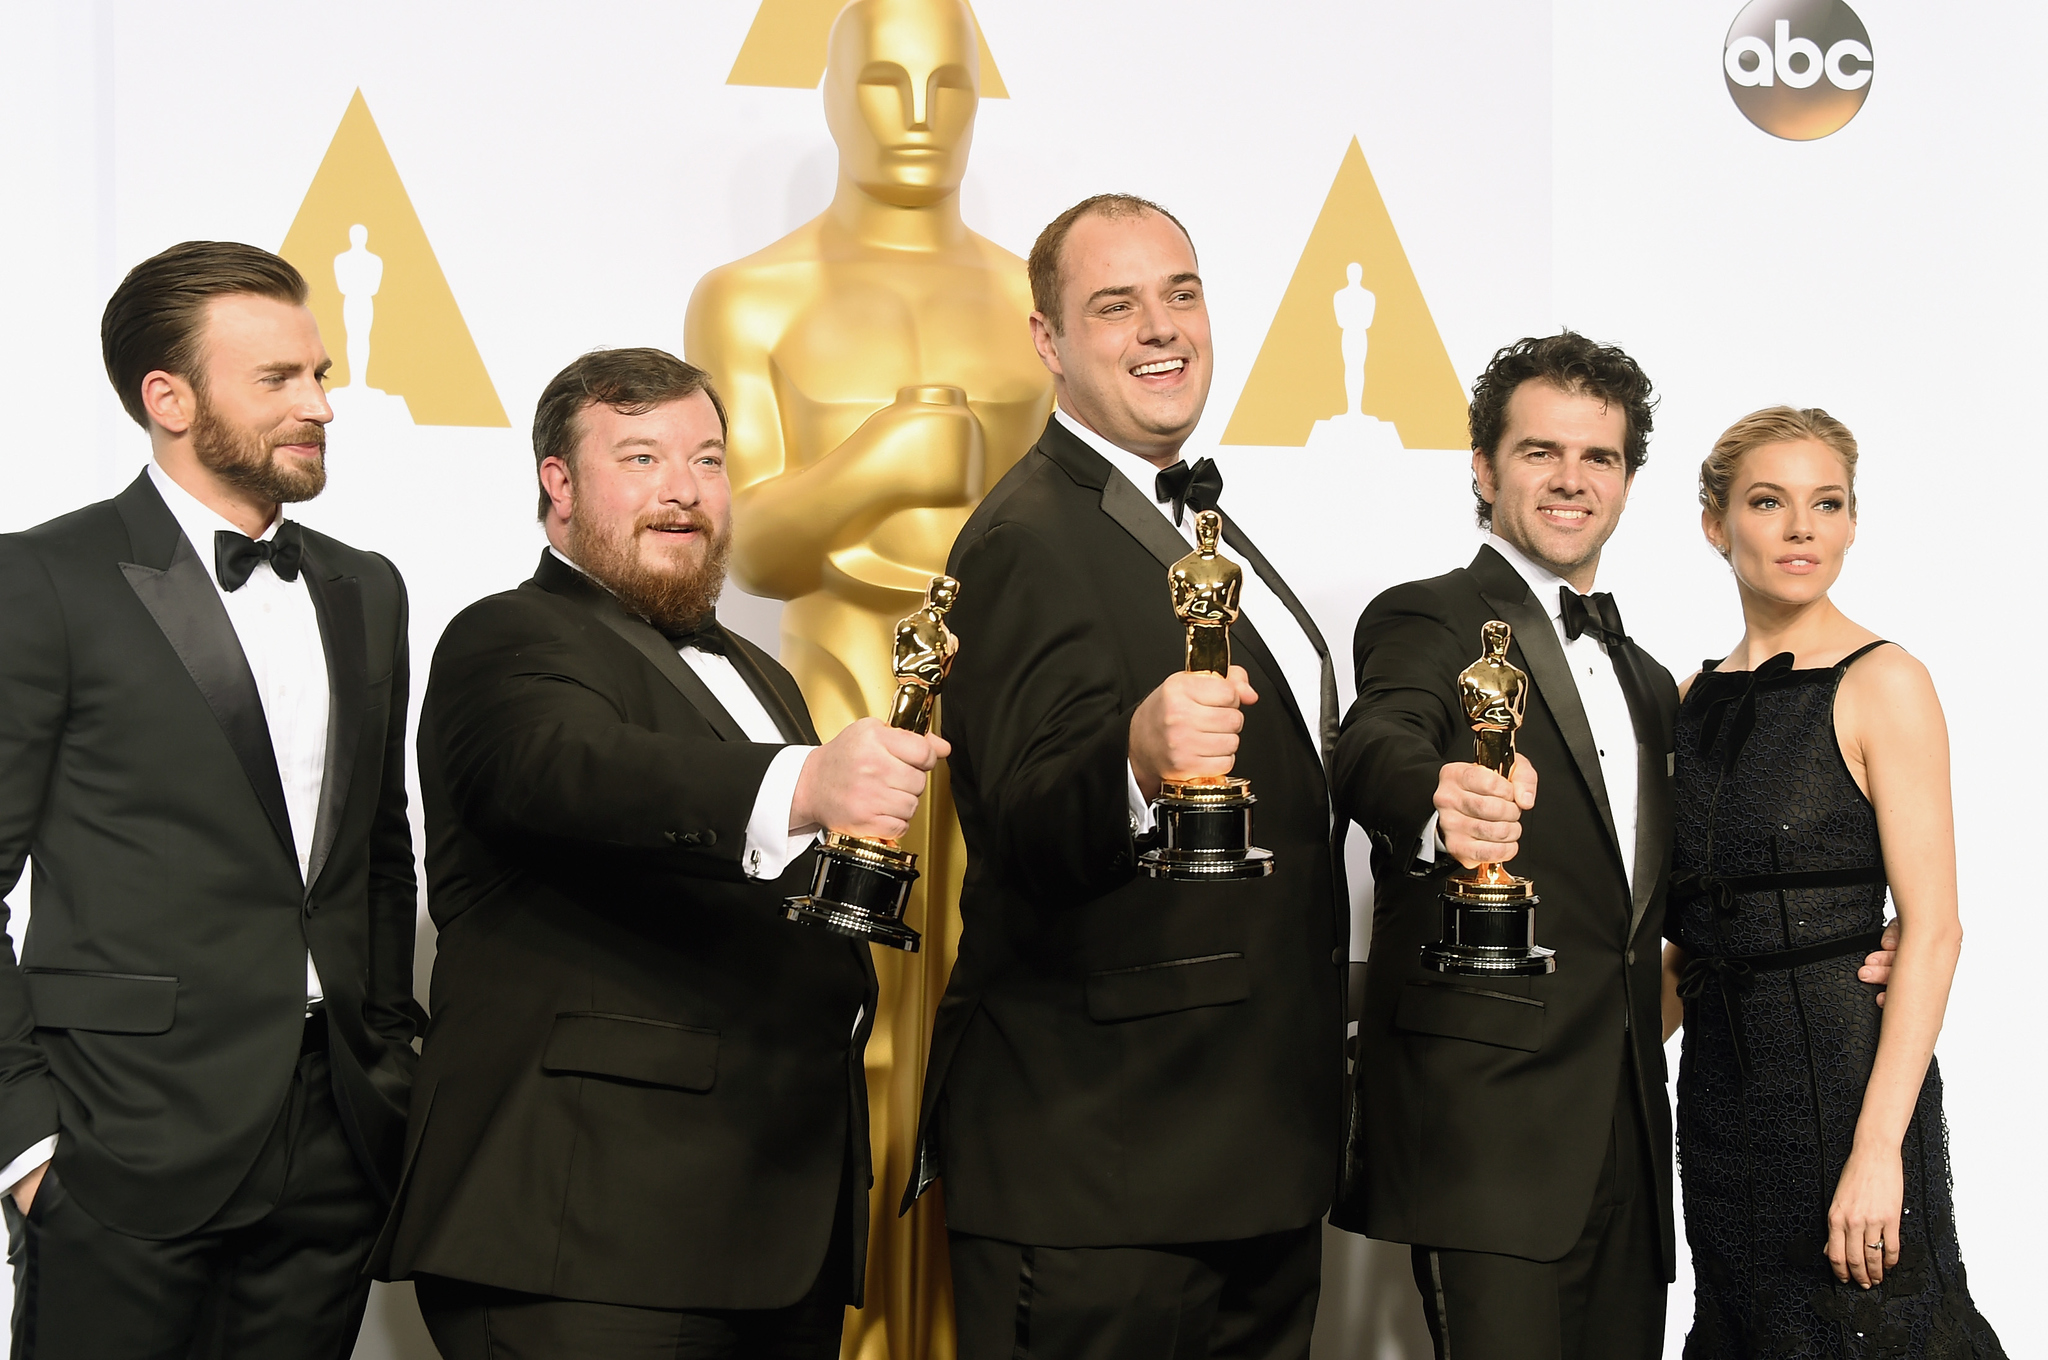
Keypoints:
pixel 309 433
pixel 687 519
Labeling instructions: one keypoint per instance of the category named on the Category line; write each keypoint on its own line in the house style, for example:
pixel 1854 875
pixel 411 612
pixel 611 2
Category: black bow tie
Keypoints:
pixel 1189 488
pixel 702 633
pixel 236 555
pixel 1593 614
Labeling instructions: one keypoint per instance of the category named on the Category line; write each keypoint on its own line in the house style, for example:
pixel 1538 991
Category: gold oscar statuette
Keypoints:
pixel 861 884
pixel 1489 913
pixel 877 367
pixel 1205 823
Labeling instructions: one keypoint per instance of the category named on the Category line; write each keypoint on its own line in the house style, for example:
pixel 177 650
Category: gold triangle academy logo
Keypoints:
pixel 398 341
pixel 1353 359
pixel 786 47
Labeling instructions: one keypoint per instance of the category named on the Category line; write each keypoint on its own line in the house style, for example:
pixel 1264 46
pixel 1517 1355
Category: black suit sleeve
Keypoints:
pixel 390 1008
pixel 1403 726
pixel 1037 694
pixel 34 694
pixel 532 749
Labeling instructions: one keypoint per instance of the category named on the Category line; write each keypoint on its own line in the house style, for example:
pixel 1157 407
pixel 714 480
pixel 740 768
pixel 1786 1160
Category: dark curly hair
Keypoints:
pixel 1572 363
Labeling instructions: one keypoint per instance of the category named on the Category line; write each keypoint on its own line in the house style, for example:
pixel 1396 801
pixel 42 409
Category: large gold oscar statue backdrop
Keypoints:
pixel 878 367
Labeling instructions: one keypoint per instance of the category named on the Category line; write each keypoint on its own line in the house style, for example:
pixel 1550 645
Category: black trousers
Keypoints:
pixel 482 1322
pixel 1603 1301
pixel 277 1274
pixel 1253 1299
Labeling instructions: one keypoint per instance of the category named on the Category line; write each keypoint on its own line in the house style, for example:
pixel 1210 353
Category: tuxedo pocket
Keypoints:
pixel 1160 988
pixel 105 1003
pixel 1484 1017
pixel 629 1048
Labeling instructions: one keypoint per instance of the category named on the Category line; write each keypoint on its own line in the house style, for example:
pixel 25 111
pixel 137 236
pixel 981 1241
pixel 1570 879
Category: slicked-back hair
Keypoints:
pixel 630 381
pixel 1571 363
pixel 1044 265
pixel 1772 425
pixel 155 318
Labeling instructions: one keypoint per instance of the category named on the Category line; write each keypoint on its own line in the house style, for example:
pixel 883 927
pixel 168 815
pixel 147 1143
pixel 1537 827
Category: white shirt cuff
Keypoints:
pixel 1425 852
pixel 772 844
pixel 16 1170
pixel 1141 809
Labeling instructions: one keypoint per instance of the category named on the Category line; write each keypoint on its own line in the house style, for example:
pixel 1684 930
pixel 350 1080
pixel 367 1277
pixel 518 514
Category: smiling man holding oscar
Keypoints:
pixel 1134 1092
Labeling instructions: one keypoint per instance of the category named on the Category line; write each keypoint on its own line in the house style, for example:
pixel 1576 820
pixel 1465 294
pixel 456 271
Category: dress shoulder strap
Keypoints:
pixel 1861 652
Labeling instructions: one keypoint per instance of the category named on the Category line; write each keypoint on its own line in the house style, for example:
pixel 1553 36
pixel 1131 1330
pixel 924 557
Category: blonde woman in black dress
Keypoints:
pixel 1812 775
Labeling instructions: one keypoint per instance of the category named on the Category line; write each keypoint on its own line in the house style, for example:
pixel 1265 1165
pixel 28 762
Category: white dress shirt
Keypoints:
pixel 1600 694
pixel 279 631
pixel 772 841
pixel 1301 666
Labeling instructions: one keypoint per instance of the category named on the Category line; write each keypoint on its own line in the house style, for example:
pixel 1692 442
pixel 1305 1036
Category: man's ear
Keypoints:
pixel 1482 473
pixel 559 486
pixel 169 401
pixel 1042 341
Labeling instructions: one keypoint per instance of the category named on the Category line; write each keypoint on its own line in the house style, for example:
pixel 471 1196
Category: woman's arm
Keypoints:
pixel 1674 1010
pixel 1895 738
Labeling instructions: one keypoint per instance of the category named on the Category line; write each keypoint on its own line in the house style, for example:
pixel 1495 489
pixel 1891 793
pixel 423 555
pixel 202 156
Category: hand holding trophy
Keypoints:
pixel 862 884
pixel 1489 913
pixel 1205 822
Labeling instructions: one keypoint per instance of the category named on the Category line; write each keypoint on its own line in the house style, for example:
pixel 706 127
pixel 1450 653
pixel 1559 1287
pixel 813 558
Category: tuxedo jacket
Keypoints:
pixel 1119 1060
pixel 642 1086
pixel 155 1017
pixel 1484 1106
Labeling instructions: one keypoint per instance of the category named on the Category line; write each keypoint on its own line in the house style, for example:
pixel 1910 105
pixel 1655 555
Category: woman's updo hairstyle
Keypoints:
pixel 1772 425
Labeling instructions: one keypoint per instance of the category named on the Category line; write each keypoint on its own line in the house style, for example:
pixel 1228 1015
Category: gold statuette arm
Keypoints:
pixel 924 449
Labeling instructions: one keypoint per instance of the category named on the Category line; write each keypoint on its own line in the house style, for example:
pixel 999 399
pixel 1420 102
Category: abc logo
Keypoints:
pixel 1798 69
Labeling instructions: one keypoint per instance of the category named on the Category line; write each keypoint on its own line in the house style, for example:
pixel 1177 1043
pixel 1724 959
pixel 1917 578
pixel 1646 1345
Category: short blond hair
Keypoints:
pixel 1772 425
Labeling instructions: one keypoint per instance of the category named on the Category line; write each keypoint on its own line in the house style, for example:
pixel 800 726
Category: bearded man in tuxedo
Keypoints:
pixel 206 1047
pixel 641 1123
pixel 1135 1085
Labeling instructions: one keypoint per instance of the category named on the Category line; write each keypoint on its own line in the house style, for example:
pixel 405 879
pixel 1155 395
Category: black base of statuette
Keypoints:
pixel 860 889
pixel 1489 930
pixel 1207 833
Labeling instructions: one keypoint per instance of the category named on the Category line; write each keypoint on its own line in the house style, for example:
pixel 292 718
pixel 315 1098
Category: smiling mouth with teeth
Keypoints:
pixel 1162 366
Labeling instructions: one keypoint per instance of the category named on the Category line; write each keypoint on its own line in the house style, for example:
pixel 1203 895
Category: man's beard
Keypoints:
pixel 669 597
pixel 248 459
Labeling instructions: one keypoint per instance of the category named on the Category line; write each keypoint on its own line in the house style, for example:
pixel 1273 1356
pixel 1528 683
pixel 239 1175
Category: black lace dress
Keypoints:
pixel 1778 893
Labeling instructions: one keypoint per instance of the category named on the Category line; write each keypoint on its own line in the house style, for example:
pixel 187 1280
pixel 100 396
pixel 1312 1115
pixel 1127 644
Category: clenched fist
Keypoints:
pixel 866 781
pixel 1479 814
pixel 1188 727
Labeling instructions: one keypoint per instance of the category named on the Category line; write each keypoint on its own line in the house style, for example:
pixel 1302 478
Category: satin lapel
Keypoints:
pixel 670 663
pixel 182 599
pixel 1652 722
pixel 1141 519
pixel 793 729
pixel 338 602
pixel 1326 719
pixel 1508 594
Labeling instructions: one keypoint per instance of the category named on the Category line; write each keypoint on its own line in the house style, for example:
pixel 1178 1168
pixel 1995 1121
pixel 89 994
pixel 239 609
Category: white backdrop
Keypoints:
pixel 577 170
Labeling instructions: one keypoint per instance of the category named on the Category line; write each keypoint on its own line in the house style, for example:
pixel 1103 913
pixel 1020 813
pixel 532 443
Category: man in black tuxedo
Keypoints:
pixel 206 1047
pixel 641 1125
pixel 1514 1130
pixel 1135 1084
